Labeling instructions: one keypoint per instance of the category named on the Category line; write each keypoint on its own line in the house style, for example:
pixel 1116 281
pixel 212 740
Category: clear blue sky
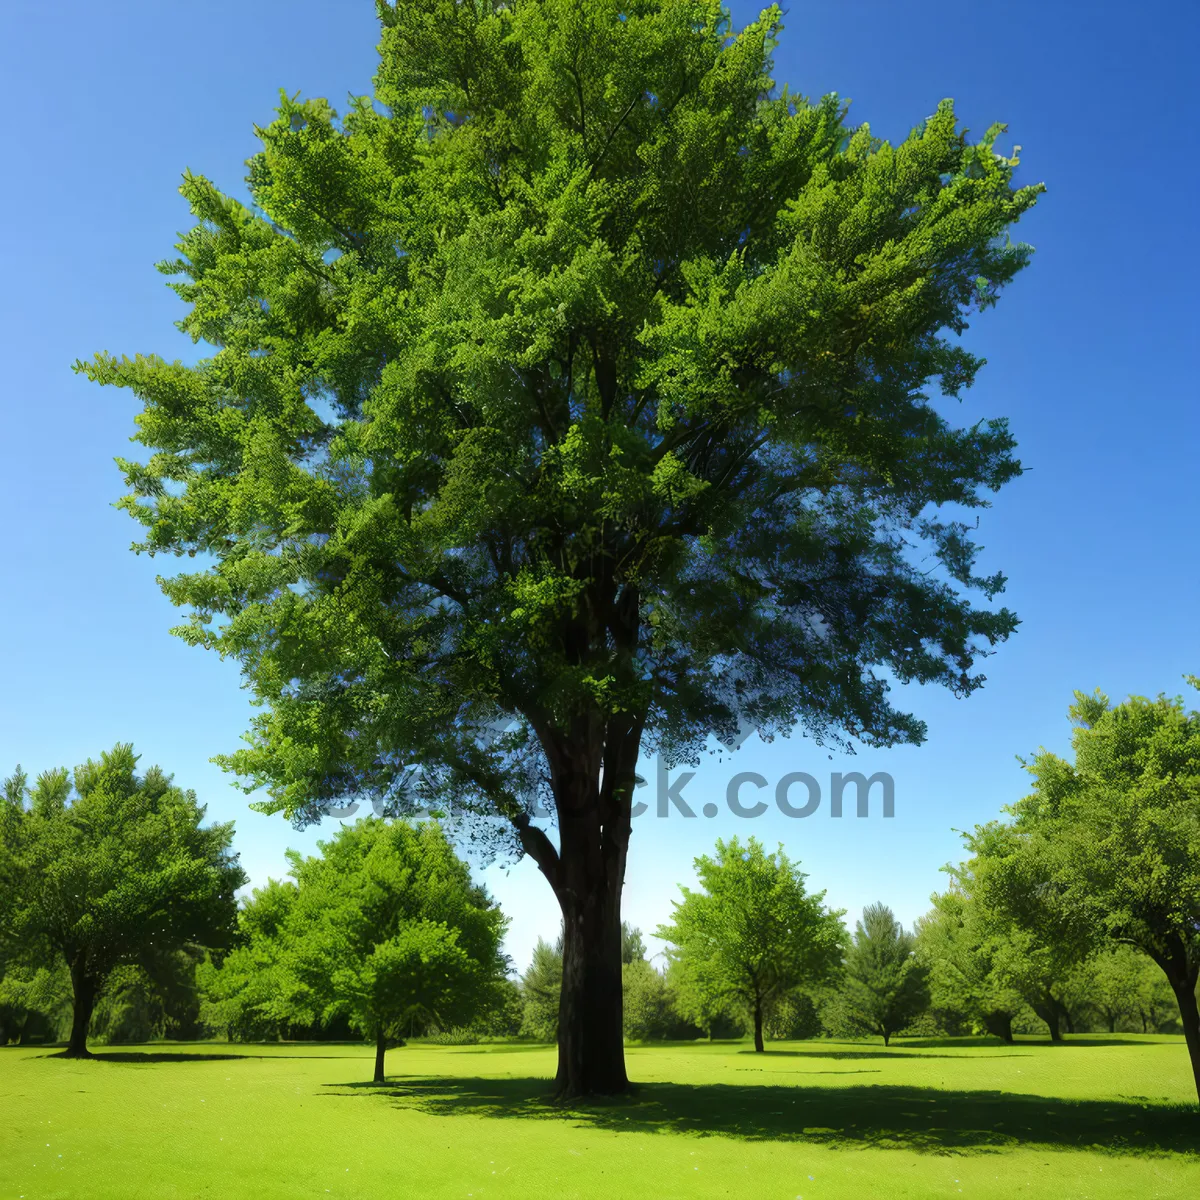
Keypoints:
pixel 1092 356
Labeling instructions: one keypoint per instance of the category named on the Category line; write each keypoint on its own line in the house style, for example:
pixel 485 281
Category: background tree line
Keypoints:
pixel 1078 914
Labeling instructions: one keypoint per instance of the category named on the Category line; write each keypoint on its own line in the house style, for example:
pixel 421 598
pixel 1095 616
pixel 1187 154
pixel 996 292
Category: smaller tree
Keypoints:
pixel 503 1014
pixel 650 1005
pixel 633 949
pixel 885 986
pixel 753 933
pixel 388 930
pixel 1037 936
pixel 35 1003
pixel 110 870
pixel 1154 1001
pixel 796 1016
pixel 1115 836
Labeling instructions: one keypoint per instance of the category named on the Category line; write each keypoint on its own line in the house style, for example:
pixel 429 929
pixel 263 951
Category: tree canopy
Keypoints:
pixel 108 868
pixel 576 385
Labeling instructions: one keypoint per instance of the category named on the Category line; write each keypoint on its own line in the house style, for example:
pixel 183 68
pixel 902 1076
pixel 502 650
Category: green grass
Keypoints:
pixel 1097 1117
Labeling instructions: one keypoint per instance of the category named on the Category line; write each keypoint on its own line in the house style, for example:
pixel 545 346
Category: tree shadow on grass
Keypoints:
pixel 892 1052
pixel 1028 1041
pixel 926 1120
pixel 151 1056
pixel 145 1056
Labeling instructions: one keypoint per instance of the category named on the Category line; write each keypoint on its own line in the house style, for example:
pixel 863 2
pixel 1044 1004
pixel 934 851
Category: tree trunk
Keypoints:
pixel 999 1024
pixel 1189 1017
pixel 592 775
pixel 1049 1013
pixel 591 1044
pixel 84 989
pixel 758 1027
pixel 1112 1024
pixel 380 1050
pixel 886 1038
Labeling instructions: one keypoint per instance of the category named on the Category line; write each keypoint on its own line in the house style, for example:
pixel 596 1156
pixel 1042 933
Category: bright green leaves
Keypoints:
pixel 120 872
pixel 384 928
pixel 752 932
pixel 573 365
pixel 674 482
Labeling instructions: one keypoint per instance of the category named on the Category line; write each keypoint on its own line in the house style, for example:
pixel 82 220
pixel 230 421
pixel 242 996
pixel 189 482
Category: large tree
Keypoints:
pixel 109 869
pixel 576 384
pixel 752 931
pixel 1114 836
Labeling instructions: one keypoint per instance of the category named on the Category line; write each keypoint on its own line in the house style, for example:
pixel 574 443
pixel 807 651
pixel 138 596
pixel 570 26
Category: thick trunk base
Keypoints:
pixel 1189 1018
pixel 81 1016
pixel 591 1042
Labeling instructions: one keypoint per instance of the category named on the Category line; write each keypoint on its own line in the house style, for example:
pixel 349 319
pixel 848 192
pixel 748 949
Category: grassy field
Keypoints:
pixel 1096 1117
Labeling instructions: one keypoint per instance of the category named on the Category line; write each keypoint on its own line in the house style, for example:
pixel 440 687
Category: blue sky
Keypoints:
pixel 1091 356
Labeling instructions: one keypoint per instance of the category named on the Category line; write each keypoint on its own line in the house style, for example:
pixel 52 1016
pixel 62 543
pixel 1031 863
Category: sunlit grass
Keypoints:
pixel 1096 1117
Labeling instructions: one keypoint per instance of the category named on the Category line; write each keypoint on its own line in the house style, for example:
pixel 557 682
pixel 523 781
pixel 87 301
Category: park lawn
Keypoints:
pixel 1096 1117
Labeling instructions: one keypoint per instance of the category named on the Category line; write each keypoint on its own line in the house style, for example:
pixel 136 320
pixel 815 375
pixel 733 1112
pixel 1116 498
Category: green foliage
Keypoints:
pixel 541 988
pixel 1118 830
pixel 884 987
pixel 795 1016
pixel 135 1006
pixel 459 1035
pixel 384 930
pixel 581 378
pixel 633 948
pixel 1130 992
pixel 35 1003
pixel 250 995
pixel 111 869
pixel 1108 847
pixel 752 934
pixel 1035 938
pixel 960 948
pixel 573 390
pixel 700 999
pixel 504 1012
pixel 649 1005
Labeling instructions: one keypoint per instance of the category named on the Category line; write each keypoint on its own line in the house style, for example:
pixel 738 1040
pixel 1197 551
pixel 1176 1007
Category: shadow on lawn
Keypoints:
pixel 928 1120
pixel 147 1056
pixel 892 1053
pixel 151 1056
